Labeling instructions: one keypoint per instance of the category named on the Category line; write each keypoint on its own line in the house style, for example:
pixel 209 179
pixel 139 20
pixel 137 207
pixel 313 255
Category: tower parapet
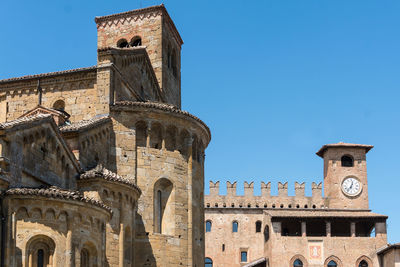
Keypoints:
pixel 265 200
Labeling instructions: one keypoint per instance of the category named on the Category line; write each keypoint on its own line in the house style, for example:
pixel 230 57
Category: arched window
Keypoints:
pixel 332 263
pixel 40 258
pixel 235 227
pixel 136 41
pixel 164 217
pixel 84 258
pixel 122 43
pixel 347 161
pixel 160 210
pixel 297 263
pixel 363 263
pixel 266 233
pixel 208 262
pixel 40 250
pixel 59 105
pixel 208 226
pixel 258 227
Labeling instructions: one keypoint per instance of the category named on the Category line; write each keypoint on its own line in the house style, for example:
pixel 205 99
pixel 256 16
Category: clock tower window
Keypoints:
pixel 347 161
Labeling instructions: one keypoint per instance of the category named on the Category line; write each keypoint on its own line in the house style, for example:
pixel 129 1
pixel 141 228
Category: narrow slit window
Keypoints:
pixel 243 256
pixel 258 227
pixel 235 227
pixel 208 226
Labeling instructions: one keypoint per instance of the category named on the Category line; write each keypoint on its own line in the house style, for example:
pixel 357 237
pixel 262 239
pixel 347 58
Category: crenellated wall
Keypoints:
pixel 266 200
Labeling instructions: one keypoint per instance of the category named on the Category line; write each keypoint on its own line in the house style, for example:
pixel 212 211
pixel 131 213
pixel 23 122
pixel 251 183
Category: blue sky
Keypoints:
pixel 274 80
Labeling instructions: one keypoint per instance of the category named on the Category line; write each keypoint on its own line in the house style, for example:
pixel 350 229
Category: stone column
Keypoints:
pixel 121 234
pixel 69 252
pixel 303 229
pixel 148 134
pixel 328 229
pixel 353 229
pixel 189 143
pixel 163 134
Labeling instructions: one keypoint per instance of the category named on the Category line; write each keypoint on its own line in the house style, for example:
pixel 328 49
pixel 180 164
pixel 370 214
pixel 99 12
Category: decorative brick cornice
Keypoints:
pixel 101 172
pixel 162 107
pixel 56 193
pixel 139 14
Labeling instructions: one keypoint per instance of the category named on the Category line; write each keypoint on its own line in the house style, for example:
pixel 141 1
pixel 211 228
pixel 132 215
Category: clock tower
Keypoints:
pixel 345 175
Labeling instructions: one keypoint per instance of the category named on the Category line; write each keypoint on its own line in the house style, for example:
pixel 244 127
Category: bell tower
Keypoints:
pixel 345 175
pixel 153 29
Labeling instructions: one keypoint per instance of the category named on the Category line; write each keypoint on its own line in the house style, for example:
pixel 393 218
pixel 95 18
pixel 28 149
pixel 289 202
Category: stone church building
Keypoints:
pixel 100 167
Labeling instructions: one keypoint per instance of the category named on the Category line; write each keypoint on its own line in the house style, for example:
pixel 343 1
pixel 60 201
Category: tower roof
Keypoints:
pixel 342 145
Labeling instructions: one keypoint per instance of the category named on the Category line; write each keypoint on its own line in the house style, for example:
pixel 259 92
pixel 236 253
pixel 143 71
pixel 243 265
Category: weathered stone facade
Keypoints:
pixel 337 228
pixel 99 165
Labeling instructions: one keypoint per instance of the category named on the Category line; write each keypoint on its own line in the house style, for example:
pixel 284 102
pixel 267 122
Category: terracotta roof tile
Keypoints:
pixel 256 262
pixel 55 192
pixel 101 172
pixel 341 144
pixel 85 124
pixel 48 74
pixel 312 213
pixel 38 117
pixel 163 107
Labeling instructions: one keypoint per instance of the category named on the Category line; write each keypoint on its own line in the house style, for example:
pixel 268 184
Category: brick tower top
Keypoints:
pixel 153 29
pixel 345 175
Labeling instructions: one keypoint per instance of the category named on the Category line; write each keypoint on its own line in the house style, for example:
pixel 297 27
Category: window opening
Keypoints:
pixel 40 258
pixel 340 228
pixel 208 262
pixel 223 247
pixel 59 105
pixel 332 263
pixel 258 227
pixel 298 263
pixel 291 228
pixel 347 161
pixel 235 227
pixel 363 263
pixel 136 41
pixel 159 207
pixel 243 256
pixel 84 258
pixel 266 233
pixel 208 226
pixel 123 43
pixel 316 228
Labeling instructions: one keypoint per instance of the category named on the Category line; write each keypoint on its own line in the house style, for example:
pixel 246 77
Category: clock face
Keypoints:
pixel 351 186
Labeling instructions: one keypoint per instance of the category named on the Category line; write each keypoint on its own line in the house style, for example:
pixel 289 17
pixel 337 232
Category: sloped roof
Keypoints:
pixel 341 144
pixel 24 120
pixel 256 262
pixel 85 124
pixel 57 193
pixel 162 107
pixel 101 172
pixel 48 74
pixel 319 213
pixel 36 120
